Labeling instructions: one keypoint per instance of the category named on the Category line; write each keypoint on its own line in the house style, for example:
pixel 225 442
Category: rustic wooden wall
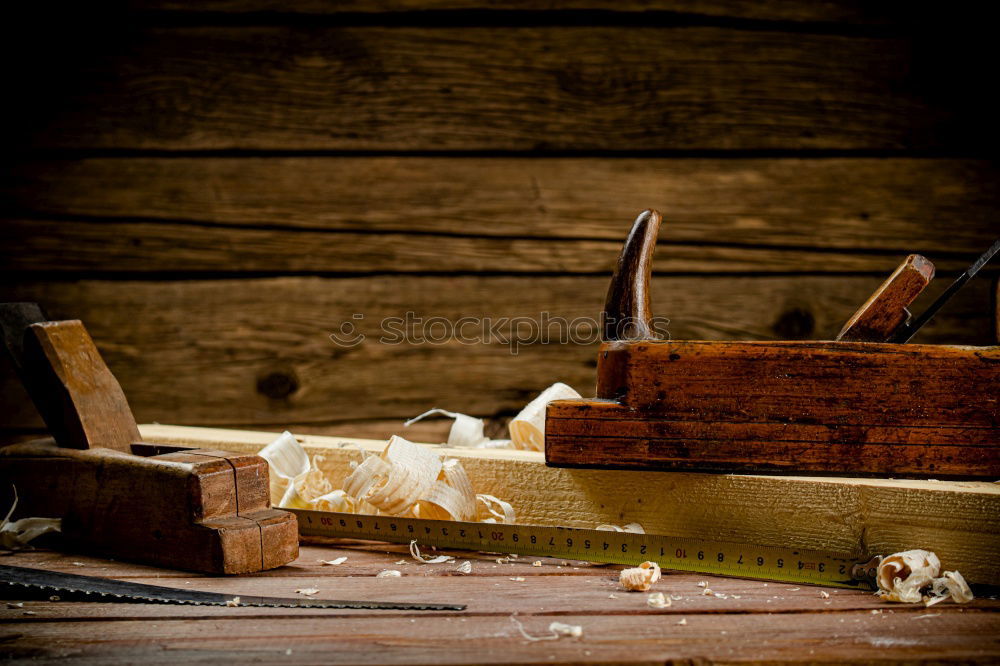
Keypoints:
pixel 214 187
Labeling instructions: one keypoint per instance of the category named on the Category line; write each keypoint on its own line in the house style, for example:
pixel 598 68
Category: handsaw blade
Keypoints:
pixel 107 589
pixel 907 331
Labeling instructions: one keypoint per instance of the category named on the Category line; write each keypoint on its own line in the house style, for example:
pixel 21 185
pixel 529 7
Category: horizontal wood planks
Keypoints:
pixel 517 88
pixel 258 351
pixel 845 11
pixel 216 188
pixel 755 622
pixel 398 214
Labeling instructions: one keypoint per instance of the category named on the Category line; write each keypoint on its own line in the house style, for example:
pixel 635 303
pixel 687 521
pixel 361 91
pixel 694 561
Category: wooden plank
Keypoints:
pixel 888 206
pixel 574 88
pixel 155 247
pixel 491 595
pixel 855 637
pixel 842 11
pixel 259 352
pixel 957 520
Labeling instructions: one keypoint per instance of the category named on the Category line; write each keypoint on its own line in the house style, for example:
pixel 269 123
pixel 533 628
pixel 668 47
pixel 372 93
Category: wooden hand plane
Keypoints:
pixel 818 407
pixel 118 496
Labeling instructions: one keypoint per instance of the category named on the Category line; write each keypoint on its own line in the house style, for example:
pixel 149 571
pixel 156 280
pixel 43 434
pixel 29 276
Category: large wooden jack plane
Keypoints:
pixel 118 496
pixel 872 407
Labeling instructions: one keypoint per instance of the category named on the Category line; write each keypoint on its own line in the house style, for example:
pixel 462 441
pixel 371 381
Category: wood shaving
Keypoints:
pixel 405 479
pixel 702 584
pixel 707 592
pixel 335 562
pixel 307 591
pixel 519 579
pixel 388 573
pixel 491 509
pixel 527 429
pixel 912 576
pixel 450 497
pixel 404 473
pixel 415 554
pixel 233 603
pixel 657 600
pixel 633 528
pixel 466 431
pixel 536 563
pixel 17 534
pixel 285 457
pixel 465 567
pixel 612 596
pixel 557 630
pixel 683 621
pixel 824 594
pixel 641 578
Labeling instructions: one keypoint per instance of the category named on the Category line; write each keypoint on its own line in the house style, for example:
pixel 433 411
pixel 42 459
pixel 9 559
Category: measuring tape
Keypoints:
pixel 809 567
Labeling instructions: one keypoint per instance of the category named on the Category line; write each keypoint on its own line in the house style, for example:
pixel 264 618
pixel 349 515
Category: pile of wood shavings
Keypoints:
pixel 914 576
pixel 405 479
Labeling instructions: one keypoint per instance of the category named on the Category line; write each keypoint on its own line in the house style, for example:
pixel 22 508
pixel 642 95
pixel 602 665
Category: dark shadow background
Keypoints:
pixel 215 187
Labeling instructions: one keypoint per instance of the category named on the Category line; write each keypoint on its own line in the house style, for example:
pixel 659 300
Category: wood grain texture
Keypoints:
pixel 574 88
pixel 890 206
pixel 840 11
pixel 259 352
pixel 790 382
pixel 196 509
pixel 886 309
pixel 958 520
pixel 73 389
pixel 762 621
pixel 620 638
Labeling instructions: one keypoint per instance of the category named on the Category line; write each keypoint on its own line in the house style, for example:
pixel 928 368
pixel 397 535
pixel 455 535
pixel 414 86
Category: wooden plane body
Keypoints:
pixel 193 509
pixel 850 408
pixel 169 506
pixel 860 405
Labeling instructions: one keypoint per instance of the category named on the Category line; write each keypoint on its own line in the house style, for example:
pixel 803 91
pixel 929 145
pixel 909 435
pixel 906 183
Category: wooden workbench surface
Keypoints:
pixel 754 622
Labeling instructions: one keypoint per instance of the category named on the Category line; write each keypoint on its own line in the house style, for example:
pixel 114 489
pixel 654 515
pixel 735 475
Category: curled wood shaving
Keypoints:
pixel 557 630
pixel 465 567
pixel 285 457
pixel 952 585
pixel 912 576
pixel 17 534
pixel 493 509
pixel 307 591
pixel 634 528
pixel 641 578
pixel 450 497
pixel 406 472
pixel 466 431
pixel 233 603
pixel 527 429
pixel 415 554
pixel 657 600
pixel 388 573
